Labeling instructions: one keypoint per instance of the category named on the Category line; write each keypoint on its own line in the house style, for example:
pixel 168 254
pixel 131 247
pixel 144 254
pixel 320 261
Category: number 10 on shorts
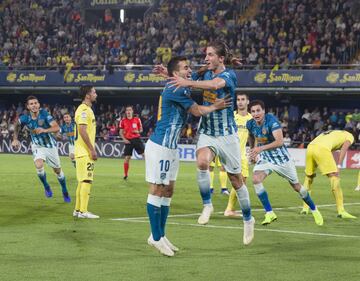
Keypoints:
pixel 164 167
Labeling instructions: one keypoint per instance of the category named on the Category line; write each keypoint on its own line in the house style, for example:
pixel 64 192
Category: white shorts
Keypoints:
pixel 226 147
pixel 49 155
pixel 161 163
pixel 286 170
pixel 71 149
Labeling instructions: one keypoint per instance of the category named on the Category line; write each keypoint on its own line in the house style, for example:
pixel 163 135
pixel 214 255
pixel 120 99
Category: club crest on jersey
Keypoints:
pixel 41 122
pixel 264 131
pixel 162 176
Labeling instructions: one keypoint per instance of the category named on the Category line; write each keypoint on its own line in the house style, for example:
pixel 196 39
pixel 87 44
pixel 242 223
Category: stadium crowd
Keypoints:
pixel 279 33
pixel 300 126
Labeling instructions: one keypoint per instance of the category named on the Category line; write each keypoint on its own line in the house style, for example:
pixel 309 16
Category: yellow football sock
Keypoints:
pixel 223 179
pixel 358 179
pixel 307 184
pixel 84 196
pixel 337 191
pixel 212 179
pixel 77 197
pixel 232 200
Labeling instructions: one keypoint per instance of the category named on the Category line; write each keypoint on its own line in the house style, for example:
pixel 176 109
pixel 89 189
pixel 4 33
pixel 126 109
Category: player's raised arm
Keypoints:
pixel 15 142
pixel 214 84
pixel 54 128
pixel 200 110
pixel 83 133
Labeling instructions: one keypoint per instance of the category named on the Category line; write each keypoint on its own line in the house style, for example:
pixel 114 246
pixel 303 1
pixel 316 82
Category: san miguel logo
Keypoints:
pixel 13 77
pixel 343 78
pixel 260 77
pixel 284 77
pixel 81 77
pixel 131 77
pixel 332 77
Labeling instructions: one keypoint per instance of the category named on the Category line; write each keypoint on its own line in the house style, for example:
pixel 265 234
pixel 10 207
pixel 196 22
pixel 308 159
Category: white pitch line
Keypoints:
pixel 256 229
pixel 253 210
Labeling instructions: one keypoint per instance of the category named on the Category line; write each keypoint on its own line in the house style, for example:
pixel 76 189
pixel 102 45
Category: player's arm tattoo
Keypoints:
pixel 251 140
pixel 17 130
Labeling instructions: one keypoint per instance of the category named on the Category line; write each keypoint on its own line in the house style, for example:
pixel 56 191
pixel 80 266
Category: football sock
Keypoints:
pixel 223 179
pixel 165 207
pixel 203 178
pixel 154 212
pixel 77 198
pixel 337 191
pixel 84 196
pixel 263 196
pixel 62 181
pixel 42 176
pixel 244 201
pixel 232 200
pixel 306 197
pixel 212 173
pixel 126 169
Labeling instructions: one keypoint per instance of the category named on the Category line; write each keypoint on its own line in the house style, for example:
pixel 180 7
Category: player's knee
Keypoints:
pixel 257 179
pixel 202 164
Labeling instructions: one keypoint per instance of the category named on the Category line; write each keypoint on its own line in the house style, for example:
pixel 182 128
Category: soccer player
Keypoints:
pixel 161 154
pixel 67 129
pixel 241 116
pixel 270 154
pixel 85 153
pixel 319 154
pixel 42 126
pixel 130 129
pixel 358 183
pixel 222 176
pixel 218 133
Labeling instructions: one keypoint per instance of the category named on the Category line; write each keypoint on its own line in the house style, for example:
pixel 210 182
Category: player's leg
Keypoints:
pixel 85 174
pixel 77 200
pixel 223 180
pixel 157 164
pixel 53 160
pixel 127 153
pixel 358 183
pixel 40 170
pixel 204 156
pixel 310 168
pixel 72 154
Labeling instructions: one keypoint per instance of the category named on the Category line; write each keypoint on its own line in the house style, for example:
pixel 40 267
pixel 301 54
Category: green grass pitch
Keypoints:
pixel 40 240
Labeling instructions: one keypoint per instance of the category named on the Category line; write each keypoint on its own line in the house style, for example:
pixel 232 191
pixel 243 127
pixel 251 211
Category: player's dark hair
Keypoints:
pixel 84 90
pixel 242 94
pixel 173 64
pixel 222 50
pixel 257 102
pixel 31 98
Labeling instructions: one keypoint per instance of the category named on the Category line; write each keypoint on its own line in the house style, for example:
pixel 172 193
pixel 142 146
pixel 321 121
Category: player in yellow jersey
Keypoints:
pixel 241 117
pixel 319 154
pixel 85 154
pixel 358 184
pixel 222 176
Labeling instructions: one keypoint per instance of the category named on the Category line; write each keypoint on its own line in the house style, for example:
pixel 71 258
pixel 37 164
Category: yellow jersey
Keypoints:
pixel 243 132
pixel 333 140
pixel 84 116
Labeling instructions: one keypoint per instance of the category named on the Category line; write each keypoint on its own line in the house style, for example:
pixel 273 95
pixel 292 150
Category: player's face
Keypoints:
pixel 129 112
pixel 242 102
pixel 212 60
pixel 257 113
pixel 33 105
pixel 184 70
pixel 67 119
pixel 93 95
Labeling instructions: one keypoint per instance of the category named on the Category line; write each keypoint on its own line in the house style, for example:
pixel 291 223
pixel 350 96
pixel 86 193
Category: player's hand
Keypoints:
pixel 126 141
pixel 236 62
pixel 136 131
pixel 253 153
pixel 93 154
pixel 178 81
pixel 38 131
pixel 223 102
pixel 15 144
pixel 160 70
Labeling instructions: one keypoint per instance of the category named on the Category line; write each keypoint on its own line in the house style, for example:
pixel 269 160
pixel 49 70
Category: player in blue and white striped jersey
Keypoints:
pixel 44 148
pixel 68 130
pixel 270 154
pixel 161 154
pixel 218 133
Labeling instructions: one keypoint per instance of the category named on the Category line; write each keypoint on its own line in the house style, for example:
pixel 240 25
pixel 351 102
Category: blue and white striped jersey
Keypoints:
pixel 220 122
pixel 172 116
pixel 69 132
pixel 263 135
pixel 43 120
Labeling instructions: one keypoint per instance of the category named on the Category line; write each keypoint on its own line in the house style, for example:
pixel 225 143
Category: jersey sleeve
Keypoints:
pixel 47 116
pixel 121 124
pixel 139 123
pixel 23 119
pixel 349 137
pixel 196 76
pixel 229 81
pixel 83 117
pixel 274 124
pixel 181 98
